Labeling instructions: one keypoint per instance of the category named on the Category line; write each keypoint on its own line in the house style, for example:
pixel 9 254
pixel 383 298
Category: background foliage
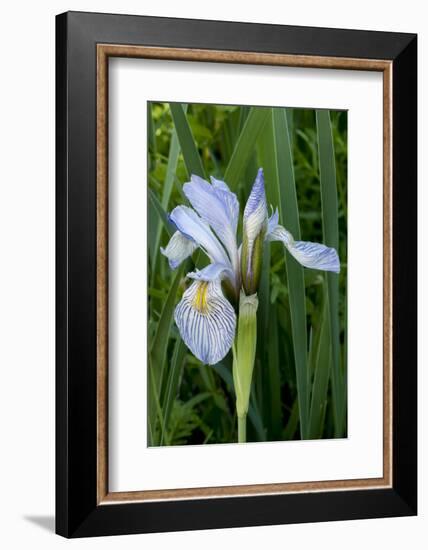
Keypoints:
pixel 299 381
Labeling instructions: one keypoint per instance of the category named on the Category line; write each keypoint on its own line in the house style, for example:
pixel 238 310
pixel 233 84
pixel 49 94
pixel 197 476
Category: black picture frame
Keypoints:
pixel 77 512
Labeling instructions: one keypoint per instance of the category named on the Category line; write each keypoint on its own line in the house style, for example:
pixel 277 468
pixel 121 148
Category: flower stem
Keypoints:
pixel 244 353
pixel 242 429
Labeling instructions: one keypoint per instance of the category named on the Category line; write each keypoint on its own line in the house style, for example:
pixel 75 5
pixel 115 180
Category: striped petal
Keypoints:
pixel 178 249
pixel 312 255
pixel 254 230
pixel 279 233
pixel 255 213
pixel 206 321
pixel 315 256
pixel 218 207
pixel 194 228
pixel 229 199
pixel 272 222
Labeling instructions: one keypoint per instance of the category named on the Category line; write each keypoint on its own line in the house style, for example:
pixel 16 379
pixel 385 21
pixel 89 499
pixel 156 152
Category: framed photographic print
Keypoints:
pixel 236 274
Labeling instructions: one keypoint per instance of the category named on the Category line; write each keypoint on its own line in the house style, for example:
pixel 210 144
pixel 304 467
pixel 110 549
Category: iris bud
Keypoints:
pixel 254 231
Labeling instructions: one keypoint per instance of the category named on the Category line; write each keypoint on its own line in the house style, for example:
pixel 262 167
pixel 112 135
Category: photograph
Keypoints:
pixel 247 273
pixel 213 255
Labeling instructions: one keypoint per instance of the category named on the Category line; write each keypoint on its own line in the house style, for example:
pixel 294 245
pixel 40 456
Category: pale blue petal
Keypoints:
pixel 206 321
pixel 279 233
pixel 219 184
pixel 178 249
pixel 272 222
pixel 312 255
pixel 193 227
pixel 218 207
pixel 212 272
pixel 255 213
pixel 315 256
pixel 254 226
pixel 229 199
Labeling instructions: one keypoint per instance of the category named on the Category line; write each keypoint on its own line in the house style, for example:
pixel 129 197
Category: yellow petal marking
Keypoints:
pixel 200 300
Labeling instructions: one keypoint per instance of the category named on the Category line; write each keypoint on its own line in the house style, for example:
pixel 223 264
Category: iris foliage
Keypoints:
pixel 299 380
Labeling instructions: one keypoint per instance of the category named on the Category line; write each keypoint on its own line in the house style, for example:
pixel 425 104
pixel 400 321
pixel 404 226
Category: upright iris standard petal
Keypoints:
pixel 178 249
pixel 218 207
pixel 312 255
pixel 194 228
pixel 229 199
pixel 254 230
pixel 206 321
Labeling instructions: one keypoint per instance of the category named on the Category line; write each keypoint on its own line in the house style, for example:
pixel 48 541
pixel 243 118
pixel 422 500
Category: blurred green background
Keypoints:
pixel 299 380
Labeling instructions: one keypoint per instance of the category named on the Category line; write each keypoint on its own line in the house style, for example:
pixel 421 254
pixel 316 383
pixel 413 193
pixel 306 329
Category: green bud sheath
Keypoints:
pixel 245 351
pixel 251 263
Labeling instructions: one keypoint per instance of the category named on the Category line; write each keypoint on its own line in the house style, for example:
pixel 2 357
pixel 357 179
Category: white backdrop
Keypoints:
pixel 27 274
pixel 131 83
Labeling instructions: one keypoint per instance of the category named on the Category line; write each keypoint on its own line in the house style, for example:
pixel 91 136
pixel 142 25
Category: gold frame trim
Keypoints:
pixel 104 51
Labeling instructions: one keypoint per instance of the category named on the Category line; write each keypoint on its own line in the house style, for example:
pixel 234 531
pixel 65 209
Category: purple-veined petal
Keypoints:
pixel 279 233
pixel 272 222
pixel 255 212
pixel 308 254
pixel 315 256
pixel 254 229
pixel 193 227
pixel 178 249
pixel 218 207
pixel 219 184
pixel 206 321
pixel 230 201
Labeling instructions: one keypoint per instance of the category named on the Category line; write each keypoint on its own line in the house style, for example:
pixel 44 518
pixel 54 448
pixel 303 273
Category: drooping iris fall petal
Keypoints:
pixel 315 256
pixel 273 221
pixel 308 254
pixel 206 321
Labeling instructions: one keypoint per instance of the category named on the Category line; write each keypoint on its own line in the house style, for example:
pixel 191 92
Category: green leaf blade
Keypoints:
pixel 289 217
pixel 321 368
pixel 172 385
pixel 174 151
pixel 331 238
pixel 245 144
pixel 159 346
pixel 159 212
pixel 191 156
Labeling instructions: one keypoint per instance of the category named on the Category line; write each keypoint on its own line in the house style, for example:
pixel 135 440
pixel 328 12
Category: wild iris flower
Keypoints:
pixel 205 318
pixel 210 323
